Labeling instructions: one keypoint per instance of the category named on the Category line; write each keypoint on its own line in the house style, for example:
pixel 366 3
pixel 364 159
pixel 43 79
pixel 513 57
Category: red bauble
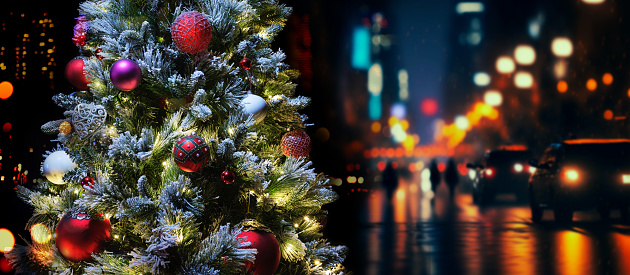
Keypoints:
pixel 268 256
pixel 191 153
pixel 87 182
pixel 191 32
pixel 97 53
pixel 228 177
pixel 75 75
pixel 79 234
pixel 246 64
pixel 296 144
pixel 79 40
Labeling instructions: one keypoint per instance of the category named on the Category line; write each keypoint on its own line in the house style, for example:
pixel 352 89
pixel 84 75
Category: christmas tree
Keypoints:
pixel 183 150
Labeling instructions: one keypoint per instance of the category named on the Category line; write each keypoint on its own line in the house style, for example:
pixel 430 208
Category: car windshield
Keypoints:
pixel 507 157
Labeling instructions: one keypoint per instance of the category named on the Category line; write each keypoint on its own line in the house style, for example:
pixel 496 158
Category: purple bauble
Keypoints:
pixel 125 75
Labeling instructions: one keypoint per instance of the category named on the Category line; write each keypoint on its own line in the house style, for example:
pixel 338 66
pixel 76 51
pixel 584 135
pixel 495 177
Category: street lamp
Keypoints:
pixel 562 47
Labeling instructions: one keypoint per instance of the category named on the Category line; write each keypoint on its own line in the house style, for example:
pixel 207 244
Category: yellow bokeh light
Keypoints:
pixel 392 121
pixel 607 79
pixel 493 98
pixel 523 80
pixel 591 84
pixel 525 55
pixel 505 65
pixel 40 233
pixel 6 89
pixel 593 1
pixel 376 127
pixel 562 86
pixel 7 241
pixel 608 114
pixel 562 47
pixel 404 124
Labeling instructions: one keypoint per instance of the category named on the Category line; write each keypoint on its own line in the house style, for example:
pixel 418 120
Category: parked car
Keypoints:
pixel 581 174
pixel 502 171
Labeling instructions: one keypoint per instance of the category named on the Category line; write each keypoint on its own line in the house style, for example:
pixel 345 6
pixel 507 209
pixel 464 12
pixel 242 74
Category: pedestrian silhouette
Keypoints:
pixel 450 177
pixel 390 180
pixel 435 178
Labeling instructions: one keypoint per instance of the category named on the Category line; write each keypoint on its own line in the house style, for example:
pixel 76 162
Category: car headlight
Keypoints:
pixel 518 167
pixel 625 178
pixel 570 176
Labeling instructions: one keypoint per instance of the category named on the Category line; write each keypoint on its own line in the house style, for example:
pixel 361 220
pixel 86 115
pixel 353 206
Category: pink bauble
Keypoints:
pixel 296 144
pixel 191 32
pixel 268 256
pixel 125 75
pixel 80 234
pixel 191 153
pixel 75 75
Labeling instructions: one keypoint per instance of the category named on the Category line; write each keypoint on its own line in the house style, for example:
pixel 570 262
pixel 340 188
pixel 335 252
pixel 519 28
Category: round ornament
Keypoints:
pixel 75 75
pixel 268 256
pixel 125 75
pixel 228 177
pixel 191 32
pixel 246 64
pixel 191 153
pixel 80 28
pixel 80 234
pixel 56 165
pixel 88 181
pixel 296 144
pixel 98 52
pixel 65 128
pixel 88 118
pixel 256 106
pixel 79 40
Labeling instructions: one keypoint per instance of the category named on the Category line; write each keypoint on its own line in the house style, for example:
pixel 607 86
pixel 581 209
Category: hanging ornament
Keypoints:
pixel 191 153
pixel 125 75
pixel 88 118
pixel 88 181
pixel 296 144
pixel 246 64
pixel 75 74
pixel 228 177
pixel 56 165
pixel 65 128
pixel 191 32
pixel 268 256
pixel 79 234
pixel 97 53
pixel 80 29
pixel 256 106
pixel 79 40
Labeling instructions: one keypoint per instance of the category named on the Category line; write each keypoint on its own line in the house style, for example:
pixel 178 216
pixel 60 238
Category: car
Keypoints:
pixel 504 170
pixel 581 174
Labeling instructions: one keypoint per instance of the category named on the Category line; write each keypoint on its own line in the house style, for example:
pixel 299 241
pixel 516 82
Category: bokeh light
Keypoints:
pixel 5 266
pixel 562 86
pixel 607 79
pixel 608 114
pixel 523 80
pixel 6 89
pixel 398 110
pixel 591 84
pixel 593 1
pixel 40 233
pixel 493 98
pixel 481 79
pixel 429 106
pixel 6 127
pixel 524 55
pixel 376 127
pixel 562 47
pixel 505 65
pixel 322 134
pixel 7 241
pixel 462 122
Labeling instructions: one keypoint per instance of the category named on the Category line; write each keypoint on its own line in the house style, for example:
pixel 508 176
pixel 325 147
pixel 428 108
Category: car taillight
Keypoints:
pixel 570 176
pixel 518 167
pixel 489 172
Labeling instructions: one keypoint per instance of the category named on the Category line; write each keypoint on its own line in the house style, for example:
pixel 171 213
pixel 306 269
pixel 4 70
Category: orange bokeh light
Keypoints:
pixel 6 89
pixel 562 86
pixel 607 79
pixel 591 84
pixel 380 165
pixel 608 114
pixel 376 127
pixel 7 241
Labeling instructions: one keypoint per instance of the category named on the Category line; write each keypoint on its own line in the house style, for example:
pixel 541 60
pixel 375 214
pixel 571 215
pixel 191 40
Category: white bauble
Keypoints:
pixel 256 106
pixel 57 165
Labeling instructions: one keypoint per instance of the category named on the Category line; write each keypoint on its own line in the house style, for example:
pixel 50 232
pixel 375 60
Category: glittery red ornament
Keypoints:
pixel 75 75
pixel 79 234
pixel 79 40
pixel 228 177
pixel 246 64
pixel 191 32
pixel 191 153
pixel 97 53
pixel 87 182
pixel 80 28
pixel 268 256
pixel 296 144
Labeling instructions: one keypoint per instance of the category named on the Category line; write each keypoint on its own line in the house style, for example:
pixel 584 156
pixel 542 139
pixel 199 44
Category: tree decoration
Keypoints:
pixel 268 256
pixel 191 153
pixel 65 128
pixel 256 106
pixel 80 29
pixel 87 181
pixel 56 165
pixel 246 64
pixel 79 40
pixel 191 32
pixel 228 177
pixel 88 118
pixel 80 234
pixel 75 74
pixel 296 144
pixel 98 52
pixel 125 74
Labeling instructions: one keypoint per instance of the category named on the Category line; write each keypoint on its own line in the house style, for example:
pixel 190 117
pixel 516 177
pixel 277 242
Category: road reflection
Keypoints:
pixel 409 235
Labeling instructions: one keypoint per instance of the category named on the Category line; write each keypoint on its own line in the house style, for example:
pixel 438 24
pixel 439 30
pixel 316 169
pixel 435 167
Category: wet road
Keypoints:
pixel 412 236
